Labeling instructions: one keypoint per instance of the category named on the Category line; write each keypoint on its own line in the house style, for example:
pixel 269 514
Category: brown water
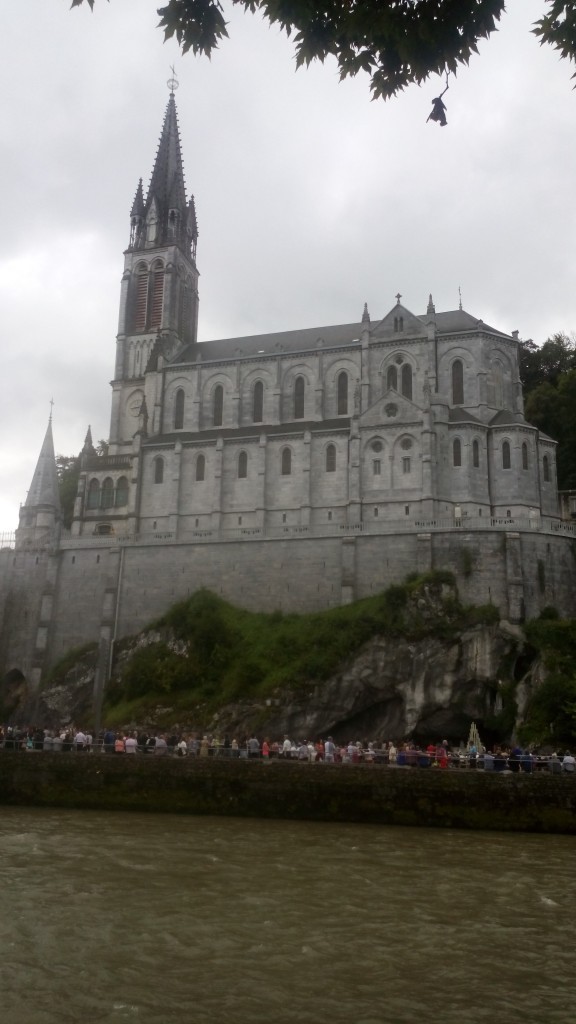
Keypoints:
pixel 114 918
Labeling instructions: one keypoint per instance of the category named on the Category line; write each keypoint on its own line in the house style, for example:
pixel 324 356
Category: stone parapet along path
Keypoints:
pixel 542 802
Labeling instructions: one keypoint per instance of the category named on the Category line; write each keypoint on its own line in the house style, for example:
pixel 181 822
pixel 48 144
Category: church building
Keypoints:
pixel 366 447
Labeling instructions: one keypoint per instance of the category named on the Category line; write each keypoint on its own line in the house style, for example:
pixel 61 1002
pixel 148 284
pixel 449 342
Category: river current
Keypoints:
pixel 110 917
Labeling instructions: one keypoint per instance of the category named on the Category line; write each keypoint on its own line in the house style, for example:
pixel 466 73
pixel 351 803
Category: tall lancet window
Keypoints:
pixel 392 378
pixel 299 398
pixel 342 388
pixel 140 310
pixel 179 410
pixel 457 382
pixel 407 380
pixel 156 294
pixel 218 407
pixel 258 402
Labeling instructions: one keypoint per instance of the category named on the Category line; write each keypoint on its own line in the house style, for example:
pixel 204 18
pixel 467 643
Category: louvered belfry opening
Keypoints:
pixel 157 295
pixel 141 299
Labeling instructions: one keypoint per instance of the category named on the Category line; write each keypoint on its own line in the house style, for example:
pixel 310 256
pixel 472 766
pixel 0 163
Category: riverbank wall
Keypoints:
pixel 368 794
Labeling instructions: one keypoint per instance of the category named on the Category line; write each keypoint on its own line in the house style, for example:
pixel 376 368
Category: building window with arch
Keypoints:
pixel 546 469
pixel 93 497
pixel 107 496
pixel 200 467
pixel 524 455
pixel 218 406
pixel 506 461
pixel 457 382
pixel 456 452
pixel 376 467
pixel 475 455
pixel 392 379
pixel 299 398
pixel 406 464
pixel 140 305
pixel 179 409
pixel 159 470
pixel 331 458
pixel 286 464
pixel 242 465
pixel 258 402
pixel 342 390
pixel 156 294
pixel 406 374
pixel 121 492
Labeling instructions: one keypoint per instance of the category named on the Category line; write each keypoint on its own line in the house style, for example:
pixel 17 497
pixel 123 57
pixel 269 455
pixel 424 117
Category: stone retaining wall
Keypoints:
pixel 316 792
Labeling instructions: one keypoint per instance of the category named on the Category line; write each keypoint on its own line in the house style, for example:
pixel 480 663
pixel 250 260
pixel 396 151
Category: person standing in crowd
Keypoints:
pixel 568 762
pixel 131 743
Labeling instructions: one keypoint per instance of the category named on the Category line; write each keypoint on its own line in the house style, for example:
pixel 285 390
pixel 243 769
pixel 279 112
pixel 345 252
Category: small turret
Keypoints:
pixel 41 514
pixel 137 218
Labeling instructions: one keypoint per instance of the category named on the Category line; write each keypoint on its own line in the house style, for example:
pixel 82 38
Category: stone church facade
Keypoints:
pixel 292 470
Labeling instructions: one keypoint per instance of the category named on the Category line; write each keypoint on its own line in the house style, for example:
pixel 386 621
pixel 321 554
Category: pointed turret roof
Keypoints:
pixel 138 204
pixel 44 486
pixel 167 181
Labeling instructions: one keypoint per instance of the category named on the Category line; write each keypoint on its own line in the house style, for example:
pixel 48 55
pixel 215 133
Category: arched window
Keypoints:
pixel 506 455
pixel 392 378
pixel 200 467
pixel 140 307
pixel 286 462
pixel 93 494
pixel 107 495
pixel 343 393
pixel 179 410
pixel 258 402
pixel 457 382
pixel 121 492
pixel 299 398
pixel 156 294
pixel 218 405
pixel 457 452
pixel 331 458
pixel 475 454
pixel 242 465
pixel 158 471
pixel 407 380
pixel 546 469
pixel 498 380
pixel 524 455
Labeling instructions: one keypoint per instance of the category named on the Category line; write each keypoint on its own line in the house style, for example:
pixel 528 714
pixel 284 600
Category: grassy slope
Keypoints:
pixel 212 654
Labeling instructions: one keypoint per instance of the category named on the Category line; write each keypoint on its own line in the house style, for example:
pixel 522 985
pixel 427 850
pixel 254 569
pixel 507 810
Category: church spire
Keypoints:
pixel 166 200
pixel 40 515
pixel 44 486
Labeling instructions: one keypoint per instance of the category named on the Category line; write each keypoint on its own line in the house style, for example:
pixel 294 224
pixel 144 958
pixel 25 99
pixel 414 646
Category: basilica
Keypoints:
pixel 297 469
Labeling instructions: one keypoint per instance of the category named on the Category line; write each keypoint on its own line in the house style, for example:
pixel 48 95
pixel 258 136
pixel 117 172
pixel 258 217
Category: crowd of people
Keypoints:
pixel 439 755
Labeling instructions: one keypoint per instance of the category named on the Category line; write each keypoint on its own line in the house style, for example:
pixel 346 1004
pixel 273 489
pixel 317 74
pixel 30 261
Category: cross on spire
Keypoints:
pixel 398 297
pixel 172 82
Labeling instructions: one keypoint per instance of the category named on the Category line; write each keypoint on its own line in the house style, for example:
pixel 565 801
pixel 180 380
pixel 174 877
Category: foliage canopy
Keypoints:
pixel 395 42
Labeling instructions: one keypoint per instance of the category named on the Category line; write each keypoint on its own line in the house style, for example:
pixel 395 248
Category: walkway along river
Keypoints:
pixel 542 802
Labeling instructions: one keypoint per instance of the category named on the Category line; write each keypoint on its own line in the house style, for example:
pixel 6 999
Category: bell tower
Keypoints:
pixel 159 293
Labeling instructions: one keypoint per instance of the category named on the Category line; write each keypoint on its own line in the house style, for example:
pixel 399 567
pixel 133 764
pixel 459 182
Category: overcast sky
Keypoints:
pixel 311 199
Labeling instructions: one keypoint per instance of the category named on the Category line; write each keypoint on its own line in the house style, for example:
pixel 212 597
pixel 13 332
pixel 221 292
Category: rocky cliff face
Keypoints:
pixel 393 687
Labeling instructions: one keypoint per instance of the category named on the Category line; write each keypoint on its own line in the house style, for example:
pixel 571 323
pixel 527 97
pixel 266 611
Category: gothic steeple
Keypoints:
pixel 41 514
pixel 44 486
pixel 163 218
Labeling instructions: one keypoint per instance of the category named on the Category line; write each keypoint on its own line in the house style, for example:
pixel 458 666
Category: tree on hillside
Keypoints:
pixel 544 364
pixel 548 376
pixel 68 469
pixel 396 42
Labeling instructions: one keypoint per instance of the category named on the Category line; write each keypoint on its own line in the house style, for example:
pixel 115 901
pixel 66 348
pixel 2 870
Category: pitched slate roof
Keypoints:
pixel 309 338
